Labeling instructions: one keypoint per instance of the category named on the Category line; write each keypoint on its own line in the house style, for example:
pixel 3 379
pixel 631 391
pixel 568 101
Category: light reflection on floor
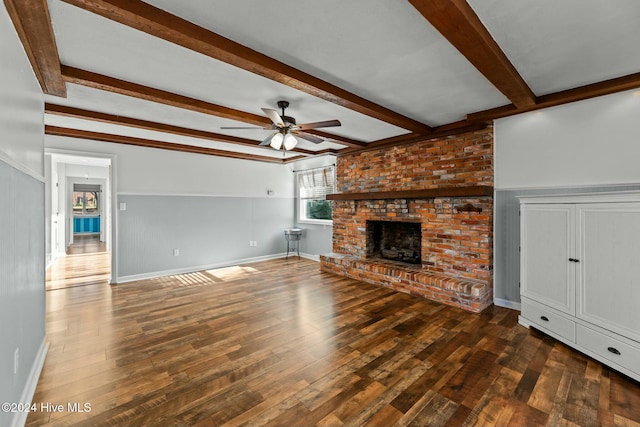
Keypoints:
pixel 208 277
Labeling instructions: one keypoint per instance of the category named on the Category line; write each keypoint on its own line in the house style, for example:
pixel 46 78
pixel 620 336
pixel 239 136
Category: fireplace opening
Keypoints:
pixel 395 240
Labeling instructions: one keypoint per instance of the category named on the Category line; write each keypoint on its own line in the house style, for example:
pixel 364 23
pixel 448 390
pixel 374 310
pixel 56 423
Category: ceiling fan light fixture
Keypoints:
pixel 290 141
pixel 276 141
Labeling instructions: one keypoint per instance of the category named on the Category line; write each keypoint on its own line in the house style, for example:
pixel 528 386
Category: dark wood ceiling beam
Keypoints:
pixel 33 25
pixel 459 24
pixel 77 113
pixel 159 23
pixel 122 87
pixel 607 87
pixel 149 143
pixel 337 138
pixel 410 138
pixel 438 132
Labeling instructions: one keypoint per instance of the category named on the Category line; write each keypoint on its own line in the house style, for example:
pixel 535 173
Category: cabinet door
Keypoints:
pixel 608 279
pixel 546 244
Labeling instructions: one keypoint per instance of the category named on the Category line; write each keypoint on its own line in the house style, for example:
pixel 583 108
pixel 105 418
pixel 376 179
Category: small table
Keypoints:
pixel 293 236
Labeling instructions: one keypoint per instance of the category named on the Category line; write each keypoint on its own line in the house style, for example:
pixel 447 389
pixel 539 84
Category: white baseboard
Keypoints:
pixel 20 418
pixel 312 257
pixel 153 275
pixel 507 304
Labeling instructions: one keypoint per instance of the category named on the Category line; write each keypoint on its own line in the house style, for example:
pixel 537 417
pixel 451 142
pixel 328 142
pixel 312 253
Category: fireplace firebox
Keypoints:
pixel 395 240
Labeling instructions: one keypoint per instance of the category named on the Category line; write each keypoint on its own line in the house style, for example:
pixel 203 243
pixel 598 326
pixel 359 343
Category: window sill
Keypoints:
pixel 316 221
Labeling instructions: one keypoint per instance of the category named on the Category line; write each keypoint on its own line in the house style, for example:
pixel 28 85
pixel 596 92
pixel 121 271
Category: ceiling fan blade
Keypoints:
pixel 308 137
pixel 325 124
pixel 267 140
pixel 274 116
pixel 243 127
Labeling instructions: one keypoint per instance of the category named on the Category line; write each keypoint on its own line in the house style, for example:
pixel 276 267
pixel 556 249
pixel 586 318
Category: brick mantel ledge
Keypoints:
pixel 467 294
pixel 428 193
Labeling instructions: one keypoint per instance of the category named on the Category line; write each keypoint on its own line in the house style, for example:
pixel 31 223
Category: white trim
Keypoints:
pixel 153 275
pixel 608 197
pixel 113 182
pixel 8 160
pixel 312 257
pixel 507 304
pixel 20 418
pixel 569 186
pixel 328 222
pixel 234 196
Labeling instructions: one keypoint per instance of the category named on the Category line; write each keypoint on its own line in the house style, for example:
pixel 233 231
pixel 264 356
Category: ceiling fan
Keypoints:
pixel 287 131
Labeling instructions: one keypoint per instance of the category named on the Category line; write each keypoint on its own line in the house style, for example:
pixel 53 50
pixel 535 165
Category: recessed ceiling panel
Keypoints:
pixel 558 45
pixel 382 50
pixel 96 44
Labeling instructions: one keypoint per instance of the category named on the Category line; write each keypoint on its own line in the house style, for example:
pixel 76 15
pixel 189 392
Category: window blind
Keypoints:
pixel 86 187
pixel 317 183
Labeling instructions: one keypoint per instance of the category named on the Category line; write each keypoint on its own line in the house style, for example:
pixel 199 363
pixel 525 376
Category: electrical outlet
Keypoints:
pixel 176 252
pixel 255 243
pixel 16 361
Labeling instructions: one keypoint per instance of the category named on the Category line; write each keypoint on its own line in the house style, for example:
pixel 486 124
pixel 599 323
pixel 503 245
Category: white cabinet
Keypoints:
pixel 546 243
pixel 580 273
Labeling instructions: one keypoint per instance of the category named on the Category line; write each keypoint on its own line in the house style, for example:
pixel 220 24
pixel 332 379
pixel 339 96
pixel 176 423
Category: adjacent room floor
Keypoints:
pixel 87 262
pixel 281 343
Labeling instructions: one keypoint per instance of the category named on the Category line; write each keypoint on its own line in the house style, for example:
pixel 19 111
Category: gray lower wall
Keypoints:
pixel 22 277
pixel 506 256
pixel 317 239
pixel 207 230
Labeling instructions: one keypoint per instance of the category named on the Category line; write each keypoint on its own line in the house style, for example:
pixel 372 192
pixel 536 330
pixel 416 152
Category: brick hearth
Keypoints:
pixel 457 232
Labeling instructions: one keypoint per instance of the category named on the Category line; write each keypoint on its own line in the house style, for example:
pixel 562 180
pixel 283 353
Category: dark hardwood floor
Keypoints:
pixel 280 343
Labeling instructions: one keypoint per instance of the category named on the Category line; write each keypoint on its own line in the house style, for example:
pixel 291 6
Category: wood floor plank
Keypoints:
pixel 281 343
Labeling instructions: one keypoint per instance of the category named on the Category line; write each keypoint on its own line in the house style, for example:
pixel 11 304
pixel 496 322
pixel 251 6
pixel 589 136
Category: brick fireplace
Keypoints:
pixel 394 240
pixel 435 197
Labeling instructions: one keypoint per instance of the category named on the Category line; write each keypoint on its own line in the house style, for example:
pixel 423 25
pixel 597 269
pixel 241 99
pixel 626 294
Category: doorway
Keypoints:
pixel 79 209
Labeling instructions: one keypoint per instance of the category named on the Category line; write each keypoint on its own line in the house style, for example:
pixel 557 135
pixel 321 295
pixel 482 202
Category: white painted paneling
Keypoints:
pixel 586 143
pixel 163 172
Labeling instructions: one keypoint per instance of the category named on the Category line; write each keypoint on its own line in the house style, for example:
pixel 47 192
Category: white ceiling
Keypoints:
pixel 382 50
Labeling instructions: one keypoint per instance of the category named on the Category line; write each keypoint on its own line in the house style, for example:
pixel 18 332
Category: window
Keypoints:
pixel 313 187
pixel 85 199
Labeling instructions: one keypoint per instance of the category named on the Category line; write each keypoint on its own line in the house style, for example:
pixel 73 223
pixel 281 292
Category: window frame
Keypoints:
pixel 84 211
pixel 328 189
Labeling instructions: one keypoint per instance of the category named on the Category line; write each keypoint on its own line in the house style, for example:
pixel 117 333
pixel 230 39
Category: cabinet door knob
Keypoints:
pixel 614 350
pixel 545 318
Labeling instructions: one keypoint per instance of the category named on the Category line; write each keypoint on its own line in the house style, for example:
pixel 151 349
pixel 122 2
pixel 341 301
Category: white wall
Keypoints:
pixel 586 143
pixel 22 223
pixel 22 106
pixel 582 147
pixel 163 172
pixel 215 211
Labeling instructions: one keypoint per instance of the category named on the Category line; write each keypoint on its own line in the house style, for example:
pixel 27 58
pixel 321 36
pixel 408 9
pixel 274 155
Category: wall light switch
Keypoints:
pixel 176 252
pixel 123 206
